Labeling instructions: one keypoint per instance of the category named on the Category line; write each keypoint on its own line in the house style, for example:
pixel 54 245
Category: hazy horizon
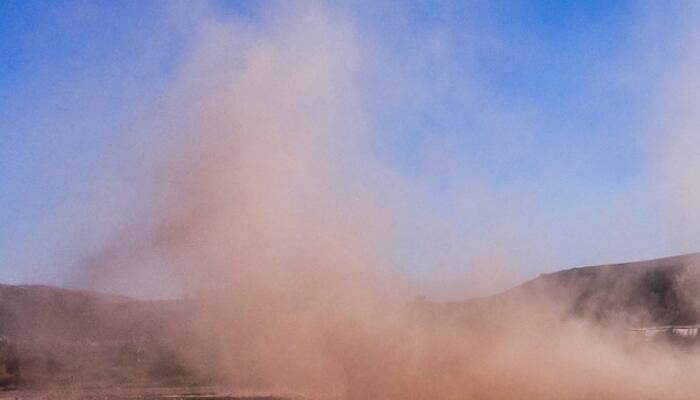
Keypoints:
pixel 303 171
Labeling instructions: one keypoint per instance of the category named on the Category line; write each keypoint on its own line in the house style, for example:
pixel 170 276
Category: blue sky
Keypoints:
pixel 543 106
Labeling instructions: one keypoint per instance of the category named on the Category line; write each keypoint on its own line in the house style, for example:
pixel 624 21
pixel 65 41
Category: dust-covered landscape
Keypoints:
pixel 349 200
pixel 68 343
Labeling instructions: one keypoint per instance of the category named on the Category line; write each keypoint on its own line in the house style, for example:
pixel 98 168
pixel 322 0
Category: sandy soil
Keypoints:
pixel 173 393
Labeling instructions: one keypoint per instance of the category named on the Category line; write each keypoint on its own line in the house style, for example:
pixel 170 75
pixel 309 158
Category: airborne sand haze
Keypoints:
pixel 281 232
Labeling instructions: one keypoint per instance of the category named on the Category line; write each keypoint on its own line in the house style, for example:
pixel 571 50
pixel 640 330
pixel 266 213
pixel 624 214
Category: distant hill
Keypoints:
pixel 33 312
pixel 664 291
pixel 62 335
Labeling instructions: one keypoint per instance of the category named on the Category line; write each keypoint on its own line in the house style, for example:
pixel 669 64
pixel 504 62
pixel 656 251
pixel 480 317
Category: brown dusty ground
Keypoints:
pixel 208 393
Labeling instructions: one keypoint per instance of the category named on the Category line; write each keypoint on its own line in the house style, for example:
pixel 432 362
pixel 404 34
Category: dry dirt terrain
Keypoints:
pixel 123 348
pixel 174 393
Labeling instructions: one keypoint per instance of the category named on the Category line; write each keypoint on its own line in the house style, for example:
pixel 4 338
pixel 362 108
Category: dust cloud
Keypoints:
pixel 279 229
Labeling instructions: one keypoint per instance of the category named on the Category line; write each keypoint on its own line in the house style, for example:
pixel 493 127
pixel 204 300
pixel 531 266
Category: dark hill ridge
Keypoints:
pixel 33 312
pixel 664 291
pixel 659 292
pixel 655 292
pixel 64 335
pixel 61 335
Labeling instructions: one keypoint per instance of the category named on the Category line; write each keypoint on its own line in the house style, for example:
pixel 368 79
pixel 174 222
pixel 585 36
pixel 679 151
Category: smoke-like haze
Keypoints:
pixel 677 143
pixel 276 223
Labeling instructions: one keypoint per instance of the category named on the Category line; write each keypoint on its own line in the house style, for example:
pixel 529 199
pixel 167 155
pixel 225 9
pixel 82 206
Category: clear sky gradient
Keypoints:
pixel 552 112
